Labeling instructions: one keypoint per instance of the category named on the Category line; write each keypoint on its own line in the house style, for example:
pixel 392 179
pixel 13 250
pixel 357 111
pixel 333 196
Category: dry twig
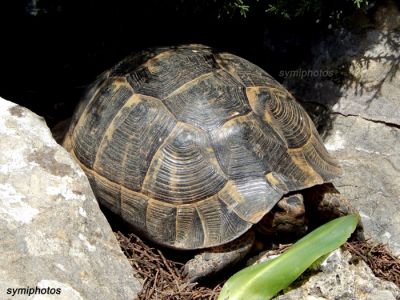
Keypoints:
pixel 379 259
pixel 162 278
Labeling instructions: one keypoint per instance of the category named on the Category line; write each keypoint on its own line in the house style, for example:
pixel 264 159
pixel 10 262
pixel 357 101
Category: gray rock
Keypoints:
pixel 339 279
pixel 370 157
pixel 357 71
pixel 52 232
pixel 360 117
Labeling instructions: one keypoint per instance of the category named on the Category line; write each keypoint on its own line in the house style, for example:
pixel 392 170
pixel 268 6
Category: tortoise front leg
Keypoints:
pixel 211 261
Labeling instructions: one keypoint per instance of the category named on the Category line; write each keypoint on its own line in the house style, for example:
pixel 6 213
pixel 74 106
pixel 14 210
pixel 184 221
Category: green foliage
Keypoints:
pixel 237 5
pixel 292 9
pixel 289 9
pixel 265 280
pixel 359 3
pixel 284 9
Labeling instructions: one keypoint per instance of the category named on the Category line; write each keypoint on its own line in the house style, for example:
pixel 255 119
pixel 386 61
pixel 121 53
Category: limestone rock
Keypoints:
pixel 361 69
pixel 370 157
pixel 338 278
pixel 358 111
pixel 52 232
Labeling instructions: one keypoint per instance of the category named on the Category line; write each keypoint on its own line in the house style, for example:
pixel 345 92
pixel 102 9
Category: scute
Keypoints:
pixel 190 232
pixel 277 107
pixel 246 147
pixel 209 101
pixel 192 147
pixel 184 169
pixel 160 222
pixel 246 72
pixel 163 74
pixel 250 199
pixel 96 118
pixel 137 131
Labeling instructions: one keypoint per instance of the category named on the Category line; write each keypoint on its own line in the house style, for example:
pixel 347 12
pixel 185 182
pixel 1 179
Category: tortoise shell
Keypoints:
pixel 192 147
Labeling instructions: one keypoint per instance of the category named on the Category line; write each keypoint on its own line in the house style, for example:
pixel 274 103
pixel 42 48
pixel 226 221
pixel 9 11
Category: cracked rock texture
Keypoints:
pixel 358 112
pixel 52 232
pixel 338 278
pixel 369 153
pixel 364 69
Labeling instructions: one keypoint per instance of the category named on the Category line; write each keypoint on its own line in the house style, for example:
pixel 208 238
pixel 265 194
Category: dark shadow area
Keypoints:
pixel 391 41
pixel 51 50
pixel 360 57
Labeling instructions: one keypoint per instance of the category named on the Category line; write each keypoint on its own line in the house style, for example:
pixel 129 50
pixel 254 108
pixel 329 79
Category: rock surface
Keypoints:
pixel 52 232
pixel 340 279
pixel 361 116
pixel 369 153
pixel 357 72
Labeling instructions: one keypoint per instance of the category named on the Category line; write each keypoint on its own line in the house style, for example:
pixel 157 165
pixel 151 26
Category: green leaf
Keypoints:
pixel 265 280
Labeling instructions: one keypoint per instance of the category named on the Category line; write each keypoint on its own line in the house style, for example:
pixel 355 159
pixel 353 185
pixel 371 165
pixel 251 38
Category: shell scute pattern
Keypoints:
pixel 169 70
pixel 192 147
pixel 218 98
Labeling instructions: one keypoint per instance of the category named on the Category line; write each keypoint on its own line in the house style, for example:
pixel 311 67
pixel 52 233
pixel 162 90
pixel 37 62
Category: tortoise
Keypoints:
pixel 192 147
